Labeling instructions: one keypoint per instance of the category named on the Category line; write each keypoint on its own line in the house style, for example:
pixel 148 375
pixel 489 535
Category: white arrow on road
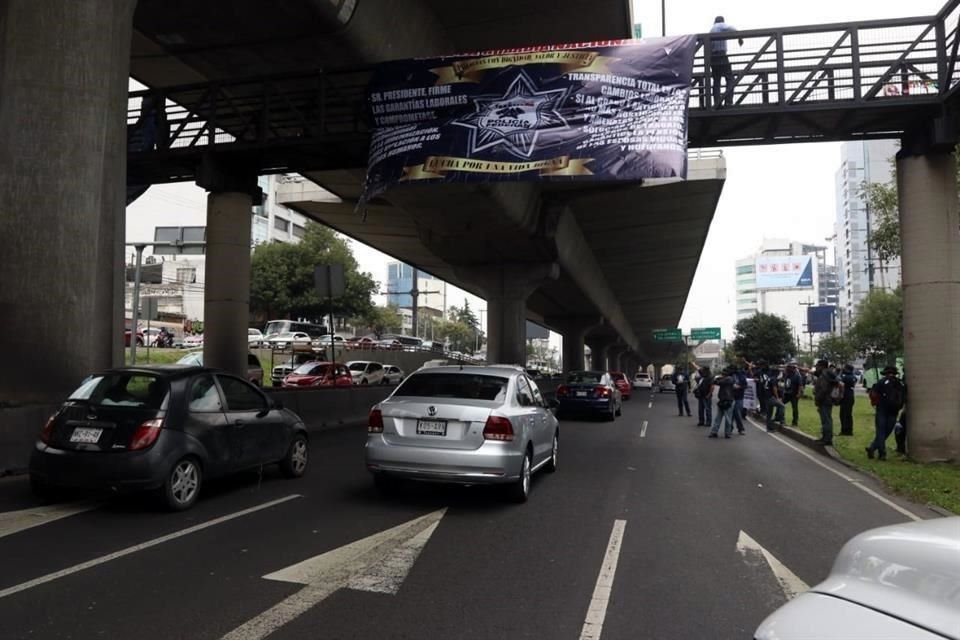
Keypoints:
pixel 378 563
pixel 792 585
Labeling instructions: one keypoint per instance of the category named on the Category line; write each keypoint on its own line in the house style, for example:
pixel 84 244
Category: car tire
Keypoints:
pixel 519 491
pixel 611 415
pixel 551 466
pixel 619 411
pixel 181 487
pixel 364 381
pixel 294 463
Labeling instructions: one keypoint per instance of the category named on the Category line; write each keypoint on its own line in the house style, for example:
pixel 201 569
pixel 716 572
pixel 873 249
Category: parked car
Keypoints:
pixel 642 381
pixel 284 340
pixel 254 337
pixel 900 581
pixel 467 425
pixel 365 372
pixel 666 383
pixel 620 379
pixel 361 342
pixel 190 342
pixel 393 374
pixel 164 428
pixel 254 369
pixel 389 343
pixel 319 374
pixel 591 392
pixel 150 335
pixel 285 368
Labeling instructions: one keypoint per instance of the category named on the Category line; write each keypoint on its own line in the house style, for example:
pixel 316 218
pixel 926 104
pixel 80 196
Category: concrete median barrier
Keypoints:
pixel 324 409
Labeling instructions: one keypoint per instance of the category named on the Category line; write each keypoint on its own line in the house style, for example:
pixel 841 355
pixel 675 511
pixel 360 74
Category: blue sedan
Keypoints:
pixel 589 392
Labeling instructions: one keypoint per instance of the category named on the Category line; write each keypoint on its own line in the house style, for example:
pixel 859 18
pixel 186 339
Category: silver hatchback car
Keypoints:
pixel 465 425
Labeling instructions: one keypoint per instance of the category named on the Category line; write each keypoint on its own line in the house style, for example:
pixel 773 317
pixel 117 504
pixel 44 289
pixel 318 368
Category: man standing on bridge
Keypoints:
pixel 720 63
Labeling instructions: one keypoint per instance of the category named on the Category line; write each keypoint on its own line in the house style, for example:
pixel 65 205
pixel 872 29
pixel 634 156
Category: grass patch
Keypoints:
pixel 156 356
pixel 935 483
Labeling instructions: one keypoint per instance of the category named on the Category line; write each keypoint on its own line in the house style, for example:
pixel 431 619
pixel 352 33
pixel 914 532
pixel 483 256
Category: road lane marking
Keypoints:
pixel 15 521
pixel 83 566
pixel 650 405
pixel 853 481
pixel 643 430
pixel 791 585
pixel 378 563
pixel 593 625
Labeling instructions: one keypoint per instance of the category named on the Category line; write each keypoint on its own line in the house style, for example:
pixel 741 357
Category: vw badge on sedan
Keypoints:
pixel 466 425
pixel 166 428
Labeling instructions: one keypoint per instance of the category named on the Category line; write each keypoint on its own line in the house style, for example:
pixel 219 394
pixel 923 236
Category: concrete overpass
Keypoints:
pixel 63 87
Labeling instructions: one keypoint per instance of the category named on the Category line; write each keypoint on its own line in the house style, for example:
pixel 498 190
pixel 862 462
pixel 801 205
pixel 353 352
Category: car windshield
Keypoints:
pixel 358 366
pixel 138 390
pixel 642 376
pixel 312 369
pixel 454 385
pixel 584 377
pixel 193 359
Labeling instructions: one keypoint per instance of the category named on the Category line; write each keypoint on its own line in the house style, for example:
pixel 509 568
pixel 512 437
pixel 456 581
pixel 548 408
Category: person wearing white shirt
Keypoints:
pixel 720 63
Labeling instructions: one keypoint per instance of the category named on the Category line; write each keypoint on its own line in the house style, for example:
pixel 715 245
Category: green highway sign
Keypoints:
pixel 708 333
pixel 668 335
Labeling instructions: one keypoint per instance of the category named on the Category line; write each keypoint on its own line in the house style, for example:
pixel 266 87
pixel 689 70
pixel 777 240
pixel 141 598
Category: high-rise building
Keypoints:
pixel 858 268
pixel 400 283
pixel 782 278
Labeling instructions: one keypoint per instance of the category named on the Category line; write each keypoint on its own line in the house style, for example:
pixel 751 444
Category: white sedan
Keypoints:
pixel 642 381
pixel 900 581
pixel 284 340
pixel 393 374
pixel 254 337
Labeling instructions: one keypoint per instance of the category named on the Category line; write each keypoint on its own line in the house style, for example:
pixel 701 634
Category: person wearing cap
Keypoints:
pixel 823 386
pixel 704 395
pixel 888 395
pixel 792 385
pixel 849 380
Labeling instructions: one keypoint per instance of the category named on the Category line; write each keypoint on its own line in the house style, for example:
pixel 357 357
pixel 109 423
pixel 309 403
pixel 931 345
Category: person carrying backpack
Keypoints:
pixel 704 395
pixel 725 403
pixel 888 396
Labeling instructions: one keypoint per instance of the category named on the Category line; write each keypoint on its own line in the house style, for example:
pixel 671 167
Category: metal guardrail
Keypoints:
pixel 866 65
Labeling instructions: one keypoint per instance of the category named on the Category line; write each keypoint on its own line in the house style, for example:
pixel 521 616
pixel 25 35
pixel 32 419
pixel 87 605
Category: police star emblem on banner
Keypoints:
pixel 514 119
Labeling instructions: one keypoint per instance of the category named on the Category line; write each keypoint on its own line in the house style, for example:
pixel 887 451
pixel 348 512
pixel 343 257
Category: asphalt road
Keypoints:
pixel 678 502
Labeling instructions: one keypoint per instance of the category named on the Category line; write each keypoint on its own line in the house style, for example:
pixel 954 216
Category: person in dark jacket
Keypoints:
pixel 704 396
pixel 725 402
pixel 681 383
pixel 849 380
pixel 792 388
pixel 739 390
pixel 824 382
pixel 889 395
pixel 771 383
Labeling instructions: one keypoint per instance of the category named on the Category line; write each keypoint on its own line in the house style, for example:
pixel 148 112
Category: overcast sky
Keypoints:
pixel 770 192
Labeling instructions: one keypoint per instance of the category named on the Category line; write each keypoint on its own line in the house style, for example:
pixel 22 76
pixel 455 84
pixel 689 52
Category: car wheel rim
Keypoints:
pixel 186 480
pixel 556 448
pixel 299 456
pixel 526 475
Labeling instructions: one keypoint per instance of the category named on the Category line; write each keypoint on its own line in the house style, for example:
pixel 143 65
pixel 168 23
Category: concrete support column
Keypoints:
pixel 599 348
pixel 226 298
pixel 930 236
pixel 64 68
pixel 506 288
pixel 574 330
pixel 615 357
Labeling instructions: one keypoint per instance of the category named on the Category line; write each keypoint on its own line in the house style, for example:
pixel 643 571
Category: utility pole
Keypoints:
pixel 808 304
pixel 663 18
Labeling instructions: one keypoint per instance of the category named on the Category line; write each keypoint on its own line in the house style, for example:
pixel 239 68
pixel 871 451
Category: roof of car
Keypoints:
pixel 165 370
pixel 471 369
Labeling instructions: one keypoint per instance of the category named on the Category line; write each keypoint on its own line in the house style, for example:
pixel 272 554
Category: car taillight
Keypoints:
pixel 146 434
pixel 46 434
pixel 498 428
pixel 602 392
pixel 562 390
pixel 375 423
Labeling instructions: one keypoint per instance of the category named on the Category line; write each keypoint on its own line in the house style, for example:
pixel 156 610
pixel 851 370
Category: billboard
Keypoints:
pixel 820 318
pixel 784 272
pixel 592 111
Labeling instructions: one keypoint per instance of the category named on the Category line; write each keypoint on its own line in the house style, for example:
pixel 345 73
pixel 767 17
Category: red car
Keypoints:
pixel 622 383
pixel 318 374
pixel 126 337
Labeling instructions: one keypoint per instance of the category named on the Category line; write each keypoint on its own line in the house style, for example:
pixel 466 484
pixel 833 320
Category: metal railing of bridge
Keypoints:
pixel 909 61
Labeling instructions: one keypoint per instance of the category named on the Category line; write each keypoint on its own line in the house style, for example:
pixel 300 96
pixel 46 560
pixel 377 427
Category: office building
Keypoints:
pixel 858 268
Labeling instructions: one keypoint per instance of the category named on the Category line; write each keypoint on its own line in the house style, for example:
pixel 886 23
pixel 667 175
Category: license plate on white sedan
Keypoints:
pixel 431 427
pixel 86 435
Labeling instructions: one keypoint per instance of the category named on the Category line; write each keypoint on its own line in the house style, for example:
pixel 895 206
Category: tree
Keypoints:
pixel 878 328
pixel 764 336
pixel 457 334
pixel 465 315
pixel 281 278
pixel 836 349
pixel 384 319
pixel 883 207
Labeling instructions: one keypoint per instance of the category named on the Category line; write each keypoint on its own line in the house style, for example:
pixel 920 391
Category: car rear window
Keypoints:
pixel 454 385
pixel 312 369
pixel 584 377
pixel 127 389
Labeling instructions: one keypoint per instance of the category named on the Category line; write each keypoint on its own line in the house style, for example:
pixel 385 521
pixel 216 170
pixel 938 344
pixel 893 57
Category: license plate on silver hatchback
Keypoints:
pixel 432 427
pixel 86 435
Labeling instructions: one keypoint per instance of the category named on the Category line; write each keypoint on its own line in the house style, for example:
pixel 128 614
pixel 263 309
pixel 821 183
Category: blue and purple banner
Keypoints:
pixel 614 110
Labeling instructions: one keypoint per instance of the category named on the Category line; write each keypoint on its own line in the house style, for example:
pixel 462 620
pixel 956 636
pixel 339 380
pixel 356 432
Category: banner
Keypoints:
pixel 750 395
pixel 613 110
pixel 784 272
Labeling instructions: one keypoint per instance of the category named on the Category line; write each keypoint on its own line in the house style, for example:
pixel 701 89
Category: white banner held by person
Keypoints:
pixel 750 395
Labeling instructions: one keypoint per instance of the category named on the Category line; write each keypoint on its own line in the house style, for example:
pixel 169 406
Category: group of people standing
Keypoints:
pixel 779 386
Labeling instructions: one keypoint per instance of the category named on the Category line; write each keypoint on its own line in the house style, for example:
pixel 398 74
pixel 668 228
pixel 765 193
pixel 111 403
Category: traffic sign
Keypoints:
pixel 668 335
pixel 708 333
